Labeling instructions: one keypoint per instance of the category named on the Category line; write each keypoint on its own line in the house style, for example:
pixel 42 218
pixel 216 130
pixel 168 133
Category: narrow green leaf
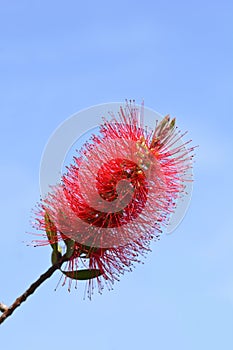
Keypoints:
pixel 88 250
pixel 83 274
pixel 55 257
pixel 70 245
pixel 51 232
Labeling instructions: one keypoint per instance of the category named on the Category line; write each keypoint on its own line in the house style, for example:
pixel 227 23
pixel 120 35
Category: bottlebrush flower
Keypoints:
pixel 116 196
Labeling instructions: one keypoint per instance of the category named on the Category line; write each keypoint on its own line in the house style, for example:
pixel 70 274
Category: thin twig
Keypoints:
pixel 7 311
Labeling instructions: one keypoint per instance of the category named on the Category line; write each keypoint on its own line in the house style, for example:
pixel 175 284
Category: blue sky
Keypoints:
pixel 57 58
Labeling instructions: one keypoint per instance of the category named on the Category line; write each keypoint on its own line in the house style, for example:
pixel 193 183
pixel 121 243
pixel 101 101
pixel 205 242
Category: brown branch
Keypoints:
pixel 7 311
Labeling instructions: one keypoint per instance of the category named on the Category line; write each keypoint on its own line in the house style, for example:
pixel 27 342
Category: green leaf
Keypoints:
pixel 51 232
pixel 88 250
pixel 70 245
pixel 83 274
pixel 55 257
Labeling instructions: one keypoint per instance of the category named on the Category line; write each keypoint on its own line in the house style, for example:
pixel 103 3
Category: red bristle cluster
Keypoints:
pixel 119 193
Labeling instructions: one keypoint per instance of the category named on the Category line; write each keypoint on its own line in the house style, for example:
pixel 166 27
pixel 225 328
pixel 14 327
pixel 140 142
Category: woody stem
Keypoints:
pixel 7 311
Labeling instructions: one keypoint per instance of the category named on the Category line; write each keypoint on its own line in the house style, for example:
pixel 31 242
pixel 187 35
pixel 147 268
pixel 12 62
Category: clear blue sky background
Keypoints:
pixel 58 57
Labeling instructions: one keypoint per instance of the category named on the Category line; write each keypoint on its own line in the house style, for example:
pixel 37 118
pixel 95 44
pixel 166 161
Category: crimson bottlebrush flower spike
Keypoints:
pixel 116 197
